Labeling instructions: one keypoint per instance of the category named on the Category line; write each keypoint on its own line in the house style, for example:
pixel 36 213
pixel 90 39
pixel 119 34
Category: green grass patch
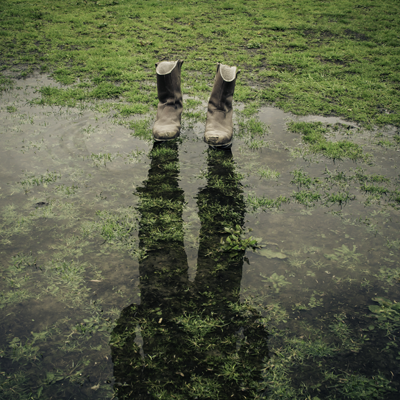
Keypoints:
pixel 252 128
pixel 45 179
pixel 255 203
pixel 306 197
pixel 11 109
pixel 336 59
pixel 313 134
pixel 141 128
pixel 267 173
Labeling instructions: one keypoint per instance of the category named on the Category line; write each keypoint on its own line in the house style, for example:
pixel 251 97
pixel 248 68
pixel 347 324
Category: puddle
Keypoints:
pixel 136 270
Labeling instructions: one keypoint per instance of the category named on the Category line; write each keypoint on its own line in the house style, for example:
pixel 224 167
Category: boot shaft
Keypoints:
pixel 219 126
pixel 169 82
pixel 224 86
pixel 168 122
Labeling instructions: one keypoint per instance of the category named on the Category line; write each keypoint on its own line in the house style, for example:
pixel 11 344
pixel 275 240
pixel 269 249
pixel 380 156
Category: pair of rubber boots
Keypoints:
pixel 219 126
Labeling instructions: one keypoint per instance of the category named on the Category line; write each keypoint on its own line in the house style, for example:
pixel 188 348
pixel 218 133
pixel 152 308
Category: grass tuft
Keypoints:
pixel 313 134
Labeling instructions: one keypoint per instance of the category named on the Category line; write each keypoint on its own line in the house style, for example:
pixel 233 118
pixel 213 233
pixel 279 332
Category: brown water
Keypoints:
pixel 64 285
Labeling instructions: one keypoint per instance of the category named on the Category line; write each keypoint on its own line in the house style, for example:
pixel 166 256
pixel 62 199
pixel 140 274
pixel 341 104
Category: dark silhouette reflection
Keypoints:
pixel 198 340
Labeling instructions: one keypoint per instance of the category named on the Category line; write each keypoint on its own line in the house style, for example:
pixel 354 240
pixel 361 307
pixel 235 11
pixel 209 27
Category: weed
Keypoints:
pixel 25 351
pixel 393 244
pixel 340 198
pixel 117 228
pixel 338 178
pixel 134 109
pixel 141 129
pixel 303 180
pixel 343 332
pixel 364 179
pixel 256 144
pixel 102 158
pixel 306 197
pixel 66 190
pixel 251 108
pixel 236 242
pixel 268 173
pixel 32 180
pixel 385 143
pixel 389 275
pixel 344 256
pixel 255 203
pixel 361 387
pixel 252 129
pixel 313 302
pixel 277 281
pixel 386 311
pixel 11 109
pixel 134 156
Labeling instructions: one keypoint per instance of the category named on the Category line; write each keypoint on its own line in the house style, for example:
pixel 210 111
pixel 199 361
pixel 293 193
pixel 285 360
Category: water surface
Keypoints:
pixel 161 271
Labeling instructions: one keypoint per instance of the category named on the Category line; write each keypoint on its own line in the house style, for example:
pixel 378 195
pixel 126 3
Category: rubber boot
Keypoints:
pixel 169 111
pixel 219 126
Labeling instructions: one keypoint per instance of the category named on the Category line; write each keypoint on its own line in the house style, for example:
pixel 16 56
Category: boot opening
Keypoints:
pixel 228 73
pixel 166 67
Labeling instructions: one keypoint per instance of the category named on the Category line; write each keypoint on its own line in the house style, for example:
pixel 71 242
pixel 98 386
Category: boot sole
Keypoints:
pixel 166 140
pixel 221 146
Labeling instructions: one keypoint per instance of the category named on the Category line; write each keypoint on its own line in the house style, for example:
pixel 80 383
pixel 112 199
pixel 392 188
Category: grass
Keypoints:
pixel 264 203
pixel 97 290
pixel 313 134
pixel 307 58
pixel 339 188
pixel 45 179
pixel 267 173
pixel 141 129
pixel 117 229
pixel 102 158
pixel 252 128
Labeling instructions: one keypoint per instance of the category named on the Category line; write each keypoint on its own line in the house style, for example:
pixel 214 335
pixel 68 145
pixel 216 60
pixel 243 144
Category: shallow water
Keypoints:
pixel 118 278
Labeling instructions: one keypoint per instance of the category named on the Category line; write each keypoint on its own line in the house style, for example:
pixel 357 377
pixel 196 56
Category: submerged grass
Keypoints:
pixel 259 347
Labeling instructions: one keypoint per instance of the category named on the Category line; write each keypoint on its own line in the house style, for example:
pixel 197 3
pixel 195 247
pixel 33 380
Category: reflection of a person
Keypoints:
pixel 198 340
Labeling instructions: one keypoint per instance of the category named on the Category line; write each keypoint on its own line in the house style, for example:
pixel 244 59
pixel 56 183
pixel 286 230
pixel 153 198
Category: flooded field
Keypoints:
pixel 132 270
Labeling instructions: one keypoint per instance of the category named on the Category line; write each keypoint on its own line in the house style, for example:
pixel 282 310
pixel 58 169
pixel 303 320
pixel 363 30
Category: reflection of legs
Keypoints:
pixel 199 341
pixel 164 272
pixel 242 344
pixel 220 205
pixel 163 282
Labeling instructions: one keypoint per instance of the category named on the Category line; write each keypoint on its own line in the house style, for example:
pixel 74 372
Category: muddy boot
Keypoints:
pixel 169 111
pixel 219 126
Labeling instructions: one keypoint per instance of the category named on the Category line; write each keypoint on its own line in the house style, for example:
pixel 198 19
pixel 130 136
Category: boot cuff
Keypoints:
pixel 228 73
pixel 166 67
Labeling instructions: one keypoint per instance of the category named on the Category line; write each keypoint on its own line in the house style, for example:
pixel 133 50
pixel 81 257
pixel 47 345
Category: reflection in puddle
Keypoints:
pixel 109 239
pixel 198 340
